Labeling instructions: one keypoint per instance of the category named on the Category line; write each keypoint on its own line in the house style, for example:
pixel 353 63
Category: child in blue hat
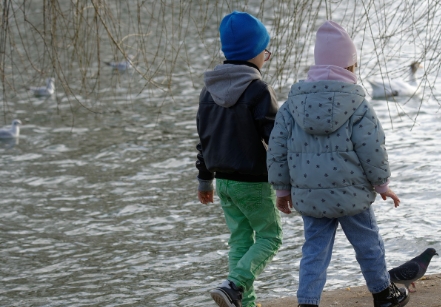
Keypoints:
pixel 236 114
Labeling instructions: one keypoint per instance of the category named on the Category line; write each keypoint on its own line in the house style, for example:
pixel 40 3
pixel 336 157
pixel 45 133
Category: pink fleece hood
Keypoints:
pixel 333 46
pixel 330 72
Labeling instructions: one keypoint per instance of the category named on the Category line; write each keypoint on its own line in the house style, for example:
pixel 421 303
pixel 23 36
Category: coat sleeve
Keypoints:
pixel 369 144
pixel 277 163
pixel 204 173
pixel 205 177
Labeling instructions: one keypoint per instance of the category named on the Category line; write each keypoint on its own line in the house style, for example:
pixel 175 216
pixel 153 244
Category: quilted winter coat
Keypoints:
pixel 328 148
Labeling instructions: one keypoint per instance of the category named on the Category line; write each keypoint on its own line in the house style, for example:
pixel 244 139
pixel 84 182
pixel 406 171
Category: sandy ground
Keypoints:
pixel 428 294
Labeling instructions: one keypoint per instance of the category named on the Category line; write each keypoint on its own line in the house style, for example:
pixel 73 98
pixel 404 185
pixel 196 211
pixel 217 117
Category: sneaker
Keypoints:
pixel 391 297
pixel 227 295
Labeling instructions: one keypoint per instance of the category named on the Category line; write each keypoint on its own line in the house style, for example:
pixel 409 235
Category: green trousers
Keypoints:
pixel 256 232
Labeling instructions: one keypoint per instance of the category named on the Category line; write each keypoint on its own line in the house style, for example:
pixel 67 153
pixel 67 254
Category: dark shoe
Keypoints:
pixel 227 295
pixel 391 297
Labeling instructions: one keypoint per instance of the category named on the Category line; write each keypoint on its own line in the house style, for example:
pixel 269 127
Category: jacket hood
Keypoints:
pixel 227 82
pixel 330 72
pixel 324 106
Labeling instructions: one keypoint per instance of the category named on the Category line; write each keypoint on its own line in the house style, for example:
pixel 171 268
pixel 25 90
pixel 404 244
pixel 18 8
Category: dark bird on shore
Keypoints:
pixel 412 270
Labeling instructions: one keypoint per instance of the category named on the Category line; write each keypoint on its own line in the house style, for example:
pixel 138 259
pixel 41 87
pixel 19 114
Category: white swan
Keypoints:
pixel 12 132
pixel 122 66
pixel 44 91
pixel 398 87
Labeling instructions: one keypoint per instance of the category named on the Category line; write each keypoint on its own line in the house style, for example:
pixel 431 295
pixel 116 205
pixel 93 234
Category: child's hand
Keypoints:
pixel 284 204
pixel 205 197
pixel 391 194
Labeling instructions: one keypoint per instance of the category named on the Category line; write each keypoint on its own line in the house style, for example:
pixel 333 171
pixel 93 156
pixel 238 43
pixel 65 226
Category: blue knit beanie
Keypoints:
pixel 242 36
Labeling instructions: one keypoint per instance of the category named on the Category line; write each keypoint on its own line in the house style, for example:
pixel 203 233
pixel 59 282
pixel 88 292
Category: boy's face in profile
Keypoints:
pixel 261 58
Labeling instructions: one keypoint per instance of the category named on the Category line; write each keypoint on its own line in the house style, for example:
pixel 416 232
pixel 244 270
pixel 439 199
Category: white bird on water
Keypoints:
pixel 398 87
pixel 122 66
pixel 12 132
pixel 44 91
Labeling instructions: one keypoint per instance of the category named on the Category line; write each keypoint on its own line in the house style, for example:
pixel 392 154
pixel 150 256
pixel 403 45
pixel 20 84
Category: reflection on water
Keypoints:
pixel 9 143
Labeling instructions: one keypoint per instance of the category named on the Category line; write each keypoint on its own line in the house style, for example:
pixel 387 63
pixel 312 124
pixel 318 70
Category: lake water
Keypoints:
pixel 100 209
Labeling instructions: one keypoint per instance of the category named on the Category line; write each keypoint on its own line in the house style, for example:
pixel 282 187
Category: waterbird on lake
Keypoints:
pixel 44 91
pixel 412 270
pixel 121 66
pixel 12 132
pixel 397 87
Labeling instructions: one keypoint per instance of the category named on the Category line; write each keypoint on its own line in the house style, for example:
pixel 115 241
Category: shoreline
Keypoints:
pixel 428 294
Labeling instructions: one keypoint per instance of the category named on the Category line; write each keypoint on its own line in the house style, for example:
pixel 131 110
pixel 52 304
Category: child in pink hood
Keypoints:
pixel 327 159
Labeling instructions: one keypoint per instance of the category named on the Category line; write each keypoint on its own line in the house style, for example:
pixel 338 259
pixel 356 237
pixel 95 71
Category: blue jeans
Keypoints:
pixel 362 232
pixel 256 232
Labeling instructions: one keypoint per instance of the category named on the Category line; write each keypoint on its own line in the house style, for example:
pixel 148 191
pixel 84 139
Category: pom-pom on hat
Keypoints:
pixel 242 36
pixel 333 46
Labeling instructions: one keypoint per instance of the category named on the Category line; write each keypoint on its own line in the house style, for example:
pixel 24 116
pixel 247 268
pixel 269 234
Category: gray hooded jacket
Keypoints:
pixel 236 114
pixel 328 148
pixel 227 82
